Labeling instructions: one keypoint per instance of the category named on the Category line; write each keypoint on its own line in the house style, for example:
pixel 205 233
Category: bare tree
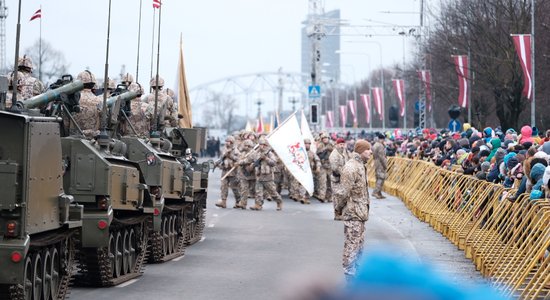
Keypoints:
pixel 220 111
pixel 52 62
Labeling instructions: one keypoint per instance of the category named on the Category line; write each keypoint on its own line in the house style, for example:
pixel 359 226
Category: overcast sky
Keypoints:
pixel 221 38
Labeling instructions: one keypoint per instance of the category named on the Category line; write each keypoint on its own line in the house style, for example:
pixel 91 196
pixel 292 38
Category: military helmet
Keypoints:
pixel 86 77
pixel 25 61
pixel 307 141
pixel 153 82
pixel 230 139
pixel 248 143
pixel 323 135
pixel 112 84
pixel 127 78
pixel 263 141
pixel 171 93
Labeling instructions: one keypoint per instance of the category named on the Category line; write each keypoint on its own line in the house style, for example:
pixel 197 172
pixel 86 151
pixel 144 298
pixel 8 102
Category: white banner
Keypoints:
pixel 288 143
pixel 306 132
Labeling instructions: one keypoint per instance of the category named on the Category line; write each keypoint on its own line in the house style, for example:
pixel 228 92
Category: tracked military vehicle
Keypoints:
pixel 38 221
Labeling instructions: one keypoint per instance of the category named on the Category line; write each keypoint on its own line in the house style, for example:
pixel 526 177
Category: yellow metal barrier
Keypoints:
pixel 508 242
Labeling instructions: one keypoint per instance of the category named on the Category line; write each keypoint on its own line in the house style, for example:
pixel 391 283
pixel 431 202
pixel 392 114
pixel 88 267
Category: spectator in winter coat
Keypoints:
pixel 537 173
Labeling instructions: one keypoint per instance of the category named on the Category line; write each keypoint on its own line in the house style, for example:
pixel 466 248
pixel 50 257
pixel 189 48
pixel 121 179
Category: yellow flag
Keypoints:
pixel 184 103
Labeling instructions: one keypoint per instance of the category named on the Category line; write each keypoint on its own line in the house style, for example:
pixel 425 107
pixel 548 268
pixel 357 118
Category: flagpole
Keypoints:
pixel 40 48
pixel 533 120
pixel 106 75
pixel 15 65
pixel 155 124
pixel 139 40
pixel 153 43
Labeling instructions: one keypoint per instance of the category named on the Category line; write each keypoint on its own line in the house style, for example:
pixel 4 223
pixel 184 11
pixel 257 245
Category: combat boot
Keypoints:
pixel 241 205
pixel 221 203
pixel 280 205
pixel 256 207
pixel 379 196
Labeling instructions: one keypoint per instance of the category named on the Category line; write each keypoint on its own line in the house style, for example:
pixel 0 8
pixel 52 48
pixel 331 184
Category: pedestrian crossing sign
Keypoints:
pixel 314 91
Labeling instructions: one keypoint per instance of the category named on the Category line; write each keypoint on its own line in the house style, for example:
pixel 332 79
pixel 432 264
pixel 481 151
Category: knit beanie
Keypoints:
pixel 485 166
pixel 361 146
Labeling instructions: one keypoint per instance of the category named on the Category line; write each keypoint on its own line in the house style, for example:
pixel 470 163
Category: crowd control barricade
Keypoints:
pixel 509 242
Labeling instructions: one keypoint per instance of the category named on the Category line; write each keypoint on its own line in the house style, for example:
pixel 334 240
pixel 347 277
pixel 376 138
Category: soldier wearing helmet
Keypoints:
pixel 227 162
pixel 172 110
pixel 324 150
pixel 138 117
pixel 337 159
pixel 88 119
pixel 245 173
pixel 264 160
pixel 314 163
pixel 162 108
pixel 30 86
pixel 127 79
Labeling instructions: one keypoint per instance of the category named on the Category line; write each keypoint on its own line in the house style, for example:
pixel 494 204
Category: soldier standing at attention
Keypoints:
pixel 162 99
pixel 228 160
pixel 380 165
pixel 353 205
pixel 245 173
pixel 264 160
pixel 138 118
pixel 88 119
pixel 338 159
pixel 30 86
pixel 324 149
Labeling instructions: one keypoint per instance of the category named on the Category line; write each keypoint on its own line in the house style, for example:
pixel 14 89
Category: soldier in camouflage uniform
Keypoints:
pixel 315 165
pixel 338 159
pixel 278 176
pixel 353 205
pixel 127 79
pixel 264 161
pixel 9 94
pixel 380 165
pixel 245 173
pixel 172 110
pixel 324 149
pixel 227 161
pixel 138 118
pixel 162 109
pixel 88 119
pixel 30 86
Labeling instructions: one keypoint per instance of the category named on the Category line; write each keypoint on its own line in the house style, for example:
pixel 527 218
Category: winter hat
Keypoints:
pixel 512 162
pixel 545 147
pixel 508 156
pixel 361 146
pixel 537 172
pixel 340 141
pixel 485 166
pixel 546 176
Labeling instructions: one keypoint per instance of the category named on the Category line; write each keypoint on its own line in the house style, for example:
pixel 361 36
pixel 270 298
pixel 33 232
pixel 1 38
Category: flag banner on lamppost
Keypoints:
pixel 351 105
pixel 425 77
pixel 288 143
pixel 306 132
pixel 366 103
pixel 399 86
pixel 260 127
pixel 378 98
pixel 522 42
pixel 461 63
pixel 343 115
pixel 330 118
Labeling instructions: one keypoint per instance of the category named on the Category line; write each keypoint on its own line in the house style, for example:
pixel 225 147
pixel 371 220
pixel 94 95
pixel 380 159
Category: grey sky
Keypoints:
pixel 221 37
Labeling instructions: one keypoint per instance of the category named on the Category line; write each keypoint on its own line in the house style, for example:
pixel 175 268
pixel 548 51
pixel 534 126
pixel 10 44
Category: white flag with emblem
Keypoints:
pixel 288 143
pixel 306 132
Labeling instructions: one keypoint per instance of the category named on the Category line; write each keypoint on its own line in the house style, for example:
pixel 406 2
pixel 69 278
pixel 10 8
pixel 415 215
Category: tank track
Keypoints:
pixel 62 241
pixel 196 220
pixel 95 263
pixel 156 246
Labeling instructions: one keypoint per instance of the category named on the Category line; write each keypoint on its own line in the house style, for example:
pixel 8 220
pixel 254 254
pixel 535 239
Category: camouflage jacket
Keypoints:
pixel 353 196
pixel 337 162
pixel 228 160
pixel 162 108
pixel 263 162
pixel 30 86
pixel 139 119
pixel 324 151
pixel 88 119
pixel 246 168
pixel 314 162
pixel 379 157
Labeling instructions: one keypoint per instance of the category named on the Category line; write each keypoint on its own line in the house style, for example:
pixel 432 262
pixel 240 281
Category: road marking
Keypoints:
pixel 127 283
pixel 214 215
pixel 178 258
pixel 211 225
pixel 202 239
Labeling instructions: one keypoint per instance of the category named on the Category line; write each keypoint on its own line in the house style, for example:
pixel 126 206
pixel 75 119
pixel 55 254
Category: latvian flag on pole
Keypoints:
pixel 37 15
pixel 461 63
pixel 330 118
pixel 425 77
pixel 366 103
pixel 522 42
pixel 351 105
pixel 343 111
pixel 156 3
pixel 378 98
pixel 399 86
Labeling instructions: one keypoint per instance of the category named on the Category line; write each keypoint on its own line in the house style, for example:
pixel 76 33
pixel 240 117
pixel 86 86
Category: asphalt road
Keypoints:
pixel 270 254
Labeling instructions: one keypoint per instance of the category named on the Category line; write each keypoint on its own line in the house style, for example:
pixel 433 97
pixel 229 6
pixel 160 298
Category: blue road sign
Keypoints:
pixel 314 91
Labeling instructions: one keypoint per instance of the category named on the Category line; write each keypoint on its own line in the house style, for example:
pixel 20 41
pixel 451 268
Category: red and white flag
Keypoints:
pixel 399 86
pixel 461 63
pixel 366 103
pixel 156 3
pixel 343 114
pixel 260 127
pixel 351 105
pixel 37 15
pixel 425 77
pixel 522 42
pixel 378 100
pixel 330 118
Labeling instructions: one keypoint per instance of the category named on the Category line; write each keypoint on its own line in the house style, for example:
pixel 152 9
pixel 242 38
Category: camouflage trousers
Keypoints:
pixel 336 186
pixel 278 179
pixel 244 188
pixel 266 187
pixel 325 191
pixel 380 178
pixel 233 183
pixel 354 238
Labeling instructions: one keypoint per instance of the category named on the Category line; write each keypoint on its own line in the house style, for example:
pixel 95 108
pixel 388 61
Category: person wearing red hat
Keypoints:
pixel 337 158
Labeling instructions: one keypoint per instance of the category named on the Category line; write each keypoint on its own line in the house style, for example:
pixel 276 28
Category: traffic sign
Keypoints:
pixel 314 91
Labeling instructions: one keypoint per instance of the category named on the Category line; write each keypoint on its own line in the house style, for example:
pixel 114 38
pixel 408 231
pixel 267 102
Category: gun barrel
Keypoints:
pixel 127 96
pixel 54 94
